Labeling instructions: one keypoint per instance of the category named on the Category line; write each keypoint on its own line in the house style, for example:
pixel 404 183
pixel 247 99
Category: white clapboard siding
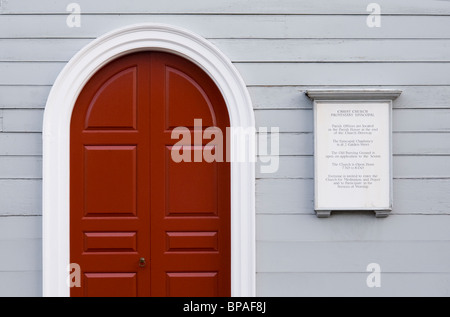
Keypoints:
pixel 20 144
pixel 352 284
pixel 21 284
pixel 14 97
pixel 393 256
pixel 21 249
pixel 21 254
pixel 282 48
pixel 23 120
pixel 20 197
pixel 404 143
pixel 275 97
pixel 45 73
pixel 232 26
pixel 31 228
pixel 260 50
pixel 345 73
pixel 294 96
pixel 230 7
pixel 296 196
pixel 404 120
pixel 19 167
pixel 403 167
pixel 352 226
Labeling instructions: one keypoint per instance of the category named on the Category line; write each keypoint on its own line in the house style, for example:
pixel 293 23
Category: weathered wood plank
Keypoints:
pixel 230 7
pixel 19 197
pixel 232 26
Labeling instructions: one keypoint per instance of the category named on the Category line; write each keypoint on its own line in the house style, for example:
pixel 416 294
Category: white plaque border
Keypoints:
pixel 353 97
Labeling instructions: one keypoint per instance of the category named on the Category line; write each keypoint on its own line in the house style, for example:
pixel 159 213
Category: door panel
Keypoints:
pixel 130 200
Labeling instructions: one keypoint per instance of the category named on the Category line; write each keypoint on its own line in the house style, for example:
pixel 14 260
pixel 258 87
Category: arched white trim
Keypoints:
pixel 56 135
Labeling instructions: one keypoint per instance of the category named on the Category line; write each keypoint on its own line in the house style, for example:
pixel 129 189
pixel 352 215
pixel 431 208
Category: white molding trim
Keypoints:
pixel 56 143
pixel 353 94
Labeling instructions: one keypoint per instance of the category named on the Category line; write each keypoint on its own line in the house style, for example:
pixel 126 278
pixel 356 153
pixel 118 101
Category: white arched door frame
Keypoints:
pixel 56 143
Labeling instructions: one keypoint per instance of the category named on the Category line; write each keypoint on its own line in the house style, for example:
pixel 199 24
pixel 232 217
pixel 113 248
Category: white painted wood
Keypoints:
pixel 54 50
pixel 22 254
pixel 332 50
pixel 19 167
pixel 345 73
pixel 295 196
pixel 30 228
pixel 417 120
pixel 289 167
pixel 23 120
pixel 351 226
pixel 57 135
pixel 293 143
pixel 421 143
pixel 231 6
pixel 353 94
pixel 13 97
pixel 20 144
pixel 260 50
pixel 233 26
pixel 393 256
pixel 422 166
pixel 352 285
pixel 19 197
pixel 41 73
pixel 21 284
pixel 278 97
pixel 45 73
pixel 298 120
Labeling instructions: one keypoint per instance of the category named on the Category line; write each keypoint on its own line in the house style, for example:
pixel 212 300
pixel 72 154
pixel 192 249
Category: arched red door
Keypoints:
pixel 142 224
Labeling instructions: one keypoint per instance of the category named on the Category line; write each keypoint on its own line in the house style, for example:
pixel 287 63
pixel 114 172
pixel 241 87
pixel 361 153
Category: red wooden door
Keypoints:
pixel 128 198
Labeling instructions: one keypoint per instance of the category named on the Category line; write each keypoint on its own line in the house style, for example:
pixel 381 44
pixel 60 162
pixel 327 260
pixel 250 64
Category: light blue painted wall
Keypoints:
pixel 282 48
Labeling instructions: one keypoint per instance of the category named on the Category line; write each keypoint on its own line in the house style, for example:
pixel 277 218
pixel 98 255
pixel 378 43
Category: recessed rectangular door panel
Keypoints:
pixel 192 284
pixel 110 284
pixel 110 180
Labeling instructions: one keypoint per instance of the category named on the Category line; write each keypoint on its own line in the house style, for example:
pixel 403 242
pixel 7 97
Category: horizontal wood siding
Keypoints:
pixel 281 48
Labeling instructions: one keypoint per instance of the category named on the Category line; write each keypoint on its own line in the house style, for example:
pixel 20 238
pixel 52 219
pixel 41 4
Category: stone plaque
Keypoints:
pixel 353 156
